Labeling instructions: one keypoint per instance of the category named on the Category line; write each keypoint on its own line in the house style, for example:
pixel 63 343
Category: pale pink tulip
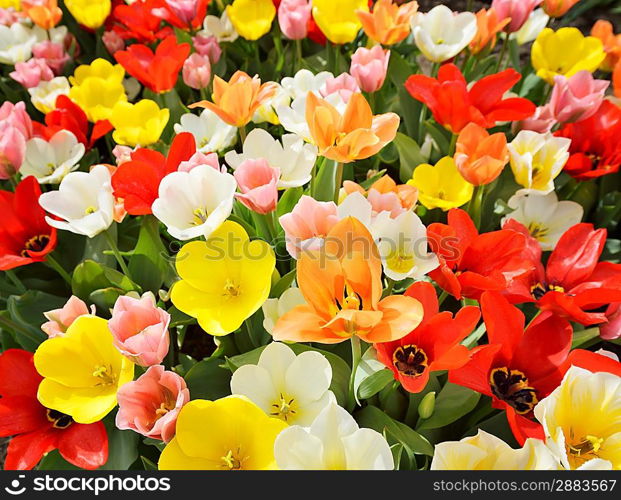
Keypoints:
pixel 198 159
pixel 53 53
pixel 197 71
pixel 257 182
pixel 10 16
pixel 385 202
pixel 293 17
pixel 344 84
pixel 576 98
pixel 15 130
pixel 61 319
pixel 307 225
pixel 140 329
pixel 113 41
pixel 185 10
pixel 30 73
pixel 542 121
pixel 369 67
pixel 15 115
pixel 517 10
pixel 207 46
pixel 150 405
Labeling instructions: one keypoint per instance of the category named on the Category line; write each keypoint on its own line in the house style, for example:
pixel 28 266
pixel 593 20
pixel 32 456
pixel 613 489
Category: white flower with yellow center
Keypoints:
pixel 292 388
pixel 210 132
pixel 220 27
pixel 582 420
pixel 50 161
pixel 273 309
pixel 537 159
pixel 544 216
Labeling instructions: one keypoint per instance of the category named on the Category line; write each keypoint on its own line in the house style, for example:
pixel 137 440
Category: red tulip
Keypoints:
pixel 38 430
pixel 138 21
pixel 454 106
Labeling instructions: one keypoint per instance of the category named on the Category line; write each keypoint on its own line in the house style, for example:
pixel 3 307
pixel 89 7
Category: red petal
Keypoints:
pixel 490 89
pixel 523 428
pixel 425 293
pixel 18 376
pixel 25 451
pixel 101 128
pixel 504 323
pixel 21 414
pixel 181 149
pixel 475 374
pixel 85 445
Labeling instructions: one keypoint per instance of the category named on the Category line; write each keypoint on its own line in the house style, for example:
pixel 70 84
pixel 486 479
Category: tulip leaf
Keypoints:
pixel 282 284
pixel 54 461
pixel 208 380
pixel 410 156
pixel 150 264
pixel 89 276
pixel 324 182
pixel 147 464
pixel 452 403
pixel 374 383
pixel 288 200
pixel 399 70
pixel 122 447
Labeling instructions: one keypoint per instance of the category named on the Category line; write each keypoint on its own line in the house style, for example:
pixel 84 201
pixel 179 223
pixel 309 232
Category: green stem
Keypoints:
pixel 54 264
pixel 355 361
pixel 13 181
pixel 16 281
pixel 115 250
pixel 442 297
pixel 503 50
pixel 338 180
pixel 474 207
pixel 242 133
pixel 451 151
pixel 390 285
pixel 269 220
pixel 298 55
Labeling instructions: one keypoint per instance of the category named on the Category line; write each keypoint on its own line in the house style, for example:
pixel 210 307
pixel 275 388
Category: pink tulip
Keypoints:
pixel 53 53
pixel 307 225
pixel 293 17
pixel 369 67
pixel 15 115
pixel 29 74
pixel 185 10
pixel 198 159
pixel 61 319
pixel 612 329
pixel 15 130
pixel 576 98
pixel 113 41
pixel 151 404
pixel 344 84
pixel 140 329
pixel 257 182
pixel 122 154
pixel 208 46
pixel 542 121
pixel 517 10
pixel 385 202
pixel 197 71
pixel 10 16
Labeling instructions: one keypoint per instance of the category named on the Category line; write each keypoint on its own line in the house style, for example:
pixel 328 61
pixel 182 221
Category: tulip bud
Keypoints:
pixel 53 53
pixel 293 16
pixel 197 71
pixel 427 405
pixel 344 84
pixel 208 46
pixel 369 67
pixel 30 73
pixel 257 182
pixel 113 41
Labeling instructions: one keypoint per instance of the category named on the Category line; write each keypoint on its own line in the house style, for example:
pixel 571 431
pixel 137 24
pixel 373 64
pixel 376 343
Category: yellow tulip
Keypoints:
pixel 231 433
pixel 565 52
pixel 138 124
pixel 89 13
pixel 224 280
pixel 5 4
pixel 82 371
pixel 252 18
pixel 338 20
pixel 99 68
pixel 441 186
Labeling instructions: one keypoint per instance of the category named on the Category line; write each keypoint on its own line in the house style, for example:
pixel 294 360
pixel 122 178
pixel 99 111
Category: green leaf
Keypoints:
pixel 288 200
pixel 208 380
pixel 324 183
pixel 373 384
pixel 399 70
pixel 104 298
pixel 27 312
pixel 150 262
pixel 89 276
pixel 54 461
pixel 282 284
pixel 147 464
pixel 452 403
pixel 122 447
pixel 410 156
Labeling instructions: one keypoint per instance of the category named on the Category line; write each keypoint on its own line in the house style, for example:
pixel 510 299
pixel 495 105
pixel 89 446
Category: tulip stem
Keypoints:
pixel 242 133
pixel 503 50
pixel 298 55
pixel 474 207
pixel 119 258
pixel 452 145
pixel 442 297
pixel 16 281
pixel 355 361
pixel 338 180
pixel 54 264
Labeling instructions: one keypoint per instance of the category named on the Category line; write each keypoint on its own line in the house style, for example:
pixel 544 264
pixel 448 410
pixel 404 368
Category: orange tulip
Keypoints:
pixel 612 43
pixel 406 194
pixel 44 13
pixel 342 286
pixel 236 101
pixel 389 23
pixel 479 156
pixel 355 135
pixel 488 26
pixel 558 8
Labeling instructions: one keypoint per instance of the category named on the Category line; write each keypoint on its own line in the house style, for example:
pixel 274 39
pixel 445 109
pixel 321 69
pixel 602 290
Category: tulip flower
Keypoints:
pixel 332 442
pixel 138 124
pixel 558 8
pixel 38 430
pixel 16 42
pixel 273 309
pixel 488 452
pixel 185 14
pixel 82 371
pixel 236 101
pixel 97 97
pixel 53 53
pixel 517 10
pixel 537 159
pixel 25 236
pixel 210 133
pixel 293 17
pixel 581 418
pixel 440 34
pixel 61 319
pixel 214 289
pixel 157 70
pixel 369 67
pixel 530 30
pixel 30 73
pixel 612 43
pixel 550 57
pixel 576 98
pixel 257 182
pixel 388 23
pixel 489 24
pixel 345 85
pixel 208 437
pixel 15 130
pixel 251 18
pixel 44 13
pixel 339 21
pixel 44 95
pixel 616 81
pixel 89 13
pixel 354 135
pixel 454 105
pixel 341 285
pixel 197 71
pixel 441 186
pixel 220 27
pixel 384 195
pixel 207 46
pixel 479 156
pixel 473 263
pixel 113 41
pixel 428 348
pixel 50 161
pixel 151 404
pixel 541 122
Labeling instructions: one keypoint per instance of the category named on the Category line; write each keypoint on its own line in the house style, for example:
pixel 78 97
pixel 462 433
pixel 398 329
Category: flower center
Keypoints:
pixel 35 244
pixel 59 420
pixel 512 387
pixel 105 374
pixel 352 300
pixel 400 261
pixel 230 461
pixel 200 216
pixel 583 450
pixel 410 360
pixel 283 408
pixel 538 231
pixel 90 210
pixel 540 289
pixel 231 289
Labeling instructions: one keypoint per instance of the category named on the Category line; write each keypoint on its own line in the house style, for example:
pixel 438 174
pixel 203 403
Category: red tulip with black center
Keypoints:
pixel 37 430
pixel 25 237
pixel 434 345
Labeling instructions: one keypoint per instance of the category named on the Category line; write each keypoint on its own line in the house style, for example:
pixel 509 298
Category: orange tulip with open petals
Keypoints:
pixel 479 156
pixel 44 13
pixel 355 135
pixel 488 26
pixel 342 286
pixel 236 101
pixel 389 23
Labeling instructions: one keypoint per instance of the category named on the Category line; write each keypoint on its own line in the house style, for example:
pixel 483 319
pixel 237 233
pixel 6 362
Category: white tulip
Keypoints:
pixel 194 203
pixel 440 34
pixel 44 95
pixel 544 216
pixel 220 27
pixel 534 25
pixel 84 201
pixel 210 132
pixel 303 82
pixel 333 442
pixel 50 161
pixel 16 42
pixel 267 111
pixel 293 157
pixel 273 309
